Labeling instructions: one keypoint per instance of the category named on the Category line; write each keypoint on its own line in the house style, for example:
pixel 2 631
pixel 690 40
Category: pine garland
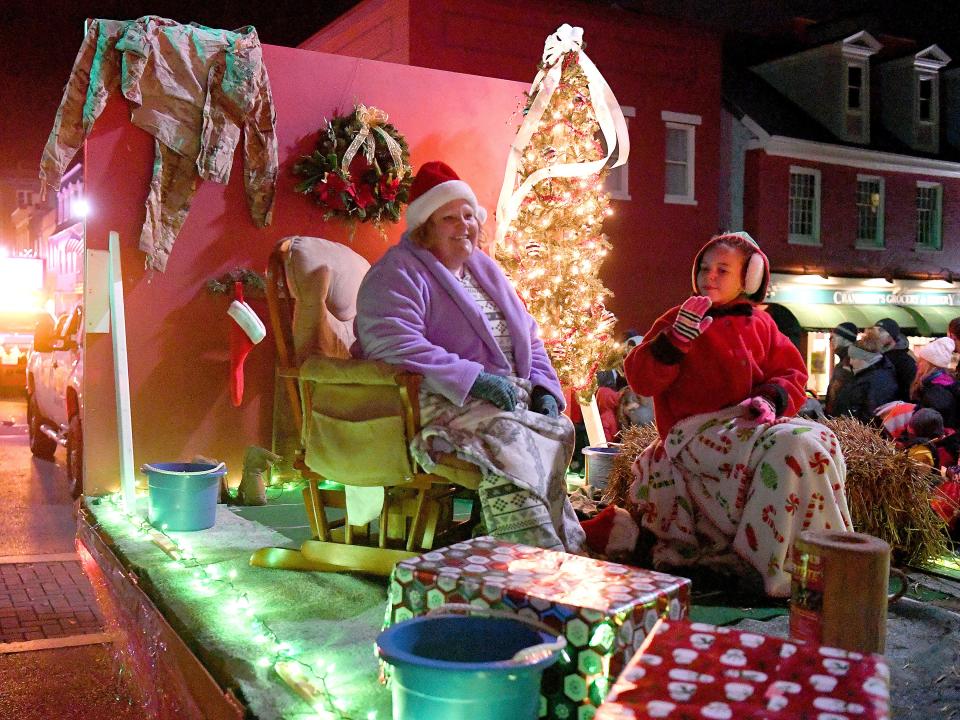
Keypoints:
pixel 254 284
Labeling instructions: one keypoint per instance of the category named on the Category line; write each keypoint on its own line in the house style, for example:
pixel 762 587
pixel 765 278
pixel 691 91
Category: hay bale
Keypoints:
pixel 887 492
pixel 635 439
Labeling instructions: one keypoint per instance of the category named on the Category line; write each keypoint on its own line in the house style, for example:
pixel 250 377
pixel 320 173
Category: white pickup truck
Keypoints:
pixel 54 394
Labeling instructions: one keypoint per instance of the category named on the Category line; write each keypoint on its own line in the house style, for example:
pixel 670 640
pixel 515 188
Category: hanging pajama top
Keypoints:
pixel 196 90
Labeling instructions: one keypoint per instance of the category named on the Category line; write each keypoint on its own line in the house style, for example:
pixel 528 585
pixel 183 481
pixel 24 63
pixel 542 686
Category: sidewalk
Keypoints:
pixel 43 598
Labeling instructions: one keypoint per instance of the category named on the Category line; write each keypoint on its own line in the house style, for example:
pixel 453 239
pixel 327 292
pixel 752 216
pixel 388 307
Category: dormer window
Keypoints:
pixel 925 99
pixel 854 87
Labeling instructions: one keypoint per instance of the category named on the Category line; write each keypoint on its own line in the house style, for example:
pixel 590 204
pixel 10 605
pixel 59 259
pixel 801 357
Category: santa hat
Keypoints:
pixel 757 275
pixel 611 532
pixel 938 353
pixel 434 186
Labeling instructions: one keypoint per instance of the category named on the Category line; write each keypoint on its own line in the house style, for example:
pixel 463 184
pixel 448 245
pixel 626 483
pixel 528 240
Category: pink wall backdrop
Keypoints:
pixel 177 333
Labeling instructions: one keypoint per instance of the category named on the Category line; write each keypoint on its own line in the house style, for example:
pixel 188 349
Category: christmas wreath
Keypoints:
pixel 360 170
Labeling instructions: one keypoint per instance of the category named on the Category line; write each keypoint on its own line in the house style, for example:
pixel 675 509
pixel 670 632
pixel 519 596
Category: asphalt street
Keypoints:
pixel 37 528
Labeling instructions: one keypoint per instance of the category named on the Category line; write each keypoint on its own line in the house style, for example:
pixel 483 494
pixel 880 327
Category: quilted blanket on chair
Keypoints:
pixel 523 456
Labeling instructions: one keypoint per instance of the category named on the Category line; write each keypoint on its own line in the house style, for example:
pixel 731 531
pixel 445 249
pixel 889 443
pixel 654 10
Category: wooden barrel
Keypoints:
pixel 839 590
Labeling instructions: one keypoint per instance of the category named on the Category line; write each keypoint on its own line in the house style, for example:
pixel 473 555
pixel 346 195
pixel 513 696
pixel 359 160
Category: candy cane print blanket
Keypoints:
pixel 720 489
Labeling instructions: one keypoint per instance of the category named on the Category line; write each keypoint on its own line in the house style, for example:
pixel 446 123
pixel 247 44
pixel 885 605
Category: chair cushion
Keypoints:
pixel 323 277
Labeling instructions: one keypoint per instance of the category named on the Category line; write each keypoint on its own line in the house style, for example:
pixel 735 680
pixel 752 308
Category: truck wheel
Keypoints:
pixel 40 445
pixel 75 456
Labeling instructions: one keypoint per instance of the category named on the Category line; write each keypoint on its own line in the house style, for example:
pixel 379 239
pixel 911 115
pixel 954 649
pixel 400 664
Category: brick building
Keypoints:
pixel 665 73
pixel 840 163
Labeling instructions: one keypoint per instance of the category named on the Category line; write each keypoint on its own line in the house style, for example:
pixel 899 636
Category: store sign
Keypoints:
pixel 841 297
pixel 826 296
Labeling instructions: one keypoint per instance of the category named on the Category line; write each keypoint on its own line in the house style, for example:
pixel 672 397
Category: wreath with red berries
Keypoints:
pixel 360 170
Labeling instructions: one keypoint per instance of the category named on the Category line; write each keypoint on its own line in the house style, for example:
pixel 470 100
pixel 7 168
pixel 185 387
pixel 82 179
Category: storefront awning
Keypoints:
pixel 935 317
pixel 873 313
pixel 827 317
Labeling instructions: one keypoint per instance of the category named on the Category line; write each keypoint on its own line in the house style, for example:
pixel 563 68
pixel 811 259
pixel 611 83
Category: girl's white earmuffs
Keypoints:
pixel 754 275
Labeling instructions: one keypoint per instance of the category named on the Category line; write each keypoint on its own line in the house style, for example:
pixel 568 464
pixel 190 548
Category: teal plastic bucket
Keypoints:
pixel 183 496
pixel 449 667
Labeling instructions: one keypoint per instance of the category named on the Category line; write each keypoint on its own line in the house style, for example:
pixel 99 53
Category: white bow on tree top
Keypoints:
pixel 607 111
pixel 565 39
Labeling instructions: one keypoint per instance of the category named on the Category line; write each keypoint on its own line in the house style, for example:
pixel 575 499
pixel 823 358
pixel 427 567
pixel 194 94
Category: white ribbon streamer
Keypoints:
pixel 607 110
pixel 371 120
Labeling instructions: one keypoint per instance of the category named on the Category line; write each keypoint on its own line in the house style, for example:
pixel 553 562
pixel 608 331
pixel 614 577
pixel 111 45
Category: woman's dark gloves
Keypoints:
pixel 495 389
pixel 541 401
pixel 501 392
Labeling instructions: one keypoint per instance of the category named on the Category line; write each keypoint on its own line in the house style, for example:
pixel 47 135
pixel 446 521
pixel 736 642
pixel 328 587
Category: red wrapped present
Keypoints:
pixel 693 670
pixel 603 609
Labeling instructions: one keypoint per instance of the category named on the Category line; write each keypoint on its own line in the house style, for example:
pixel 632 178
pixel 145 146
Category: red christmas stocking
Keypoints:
pixel 246 331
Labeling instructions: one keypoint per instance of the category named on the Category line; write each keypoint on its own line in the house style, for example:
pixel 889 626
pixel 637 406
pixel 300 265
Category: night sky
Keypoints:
pixel 39 39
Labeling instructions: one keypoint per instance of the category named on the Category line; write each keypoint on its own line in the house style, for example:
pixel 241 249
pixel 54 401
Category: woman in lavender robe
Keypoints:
pixel 438 306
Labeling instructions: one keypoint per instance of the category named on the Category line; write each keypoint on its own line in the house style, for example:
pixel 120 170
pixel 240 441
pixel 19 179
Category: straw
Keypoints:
pixel 634 439
pixel 889 493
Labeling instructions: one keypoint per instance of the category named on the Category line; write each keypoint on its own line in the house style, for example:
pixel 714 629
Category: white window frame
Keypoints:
pixel 617 183
pixel 938 219
pixel 814 237
pixel 688 123
pixel 932 79
pixel 863 87
pixel 880 242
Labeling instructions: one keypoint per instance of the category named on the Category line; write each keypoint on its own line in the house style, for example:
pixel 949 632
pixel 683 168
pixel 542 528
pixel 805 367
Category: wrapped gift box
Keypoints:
pixel 603 609
pixel 692 670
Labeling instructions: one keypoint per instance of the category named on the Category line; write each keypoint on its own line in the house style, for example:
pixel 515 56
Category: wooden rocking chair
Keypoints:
pixel 355 420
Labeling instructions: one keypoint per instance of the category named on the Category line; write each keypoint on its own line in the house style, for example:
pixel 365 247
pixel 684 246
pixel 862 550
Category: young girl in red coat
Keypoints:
pixel 734 476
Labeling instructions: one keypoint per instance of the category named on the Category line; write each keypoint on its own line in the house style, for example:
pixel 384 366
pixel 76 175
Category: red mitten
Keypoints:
pixel 245 332
pixel 691 320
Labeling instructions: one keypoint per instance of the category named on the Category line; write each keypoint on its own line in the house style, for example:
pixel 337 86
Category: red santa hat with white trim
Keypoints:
pixel 435 185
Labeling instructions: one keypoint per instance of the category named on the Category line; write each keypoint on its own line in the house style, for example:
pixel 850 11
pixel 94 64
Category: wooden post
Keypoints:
pixel 591 418
pixel 121 377
pixel 840 590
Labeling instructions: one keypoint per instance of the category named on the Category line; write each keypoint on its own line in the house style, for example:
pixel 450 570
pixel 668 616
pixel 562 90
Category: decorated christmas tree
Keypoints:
pixel 550 216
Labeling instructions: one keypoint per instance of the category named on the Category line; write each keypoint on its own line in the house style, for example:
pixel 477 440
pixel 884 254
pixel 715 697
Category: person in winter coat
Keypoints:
pixel 874 380
pixel 953 332
pixel 896 348
pixel 436 305
pixel 926 440
pixel 734 476
pixel 841 338
pixel 934 387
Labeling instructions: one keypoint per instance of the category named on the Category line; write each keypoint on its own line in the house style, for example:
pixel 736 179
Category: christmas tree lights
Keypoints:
pixel 550 237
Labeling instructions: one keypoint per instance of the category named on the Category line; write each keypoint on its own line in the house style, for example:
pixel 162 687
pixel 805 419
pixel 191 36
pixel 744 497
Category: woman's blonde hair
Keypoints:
pixel 925 368
pixel 419 236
